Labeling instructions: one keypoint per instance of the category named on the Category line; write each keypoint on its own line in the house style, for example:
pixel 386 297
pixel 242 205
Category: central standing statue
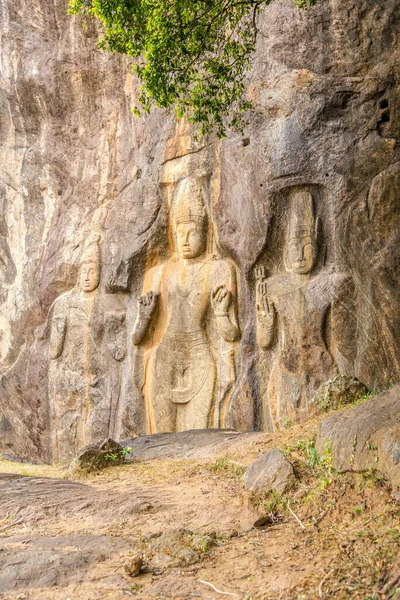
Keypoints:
pixel 186 326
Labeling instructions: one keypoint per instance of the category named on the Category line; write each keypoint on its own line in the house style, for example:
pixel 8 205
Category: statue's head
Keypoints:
pixel 301 253
pixel 89 271
pixel 190 221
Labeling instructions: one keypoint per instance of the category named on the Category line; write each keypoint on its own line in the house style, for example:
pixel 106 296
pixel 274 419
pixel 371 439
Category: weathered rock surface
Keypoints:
pixel 74 161
pixel 366 437
pixel 271 471
pixel 45 562
pixel 201 443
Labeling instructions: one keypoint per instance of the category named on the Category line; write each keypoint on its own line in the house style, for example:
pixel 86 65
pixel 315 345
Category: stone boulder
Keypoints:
pixel 271 471
pixel 174 548
pixel 133 566
pixel 337 392
pixel 366 437
pixel 95 457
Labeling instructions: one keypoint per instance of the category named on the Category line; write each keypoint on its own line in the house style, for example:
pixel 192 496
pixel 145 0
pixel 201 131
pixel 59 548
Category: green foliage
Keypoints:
pixel 119 457
pixel 112 457
pixel 308 450
pixel 320 465
pixel 191 54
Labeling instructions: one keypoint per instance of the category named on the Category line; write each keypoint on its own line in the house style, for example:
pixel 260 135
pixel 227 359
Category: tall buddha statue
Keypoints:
pixel 186 326
pixel 303 319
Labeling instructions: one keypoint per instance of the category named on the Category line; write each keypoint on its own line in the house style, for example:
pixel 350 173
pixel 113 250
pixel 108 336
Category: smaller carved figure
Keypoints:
pixel 186 327
pixel 87 344
pixel 302 319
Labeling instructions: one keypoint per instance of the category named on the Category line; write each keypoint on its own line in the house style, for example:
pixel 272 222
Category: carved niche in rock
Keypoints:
pixel 186 325
pixel 304 320
pixel 87 347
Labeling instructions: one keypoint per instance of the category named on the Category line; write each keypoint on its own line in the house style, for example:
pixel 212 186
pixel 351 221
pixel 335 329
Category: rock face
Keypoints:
pixel 272 471
pixel 366 437
pixel 289 272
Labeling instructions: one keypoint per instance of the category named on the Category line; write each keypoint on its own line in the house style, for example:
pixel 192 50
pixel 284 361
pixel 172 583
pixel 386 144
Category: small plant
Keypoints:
pixel 307 448
pixel 226 468
pixel 119 456
pixel 321 465
pixel 394 534
pixel 373 449
pixel 112 457
pixel 135 588
pixel 367 396
pixel 372 478
pixel 271 503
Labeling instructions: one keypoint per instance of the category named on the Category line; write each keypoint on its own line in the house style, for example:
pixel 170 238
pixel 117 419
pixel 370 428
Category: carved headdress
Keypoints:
pixel 301 222
pixel 189 204
pixel 91 251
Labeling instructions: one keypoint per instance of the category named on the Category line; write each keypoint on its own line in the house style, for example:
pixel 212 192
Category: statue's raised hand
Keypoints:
pixel 221 299
pixel 146 305
pixel 265 308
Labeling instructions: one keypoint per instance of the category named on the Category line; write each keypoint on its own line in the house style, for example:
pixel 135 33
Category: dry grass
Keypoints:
pixel 351 528
pixel 29 470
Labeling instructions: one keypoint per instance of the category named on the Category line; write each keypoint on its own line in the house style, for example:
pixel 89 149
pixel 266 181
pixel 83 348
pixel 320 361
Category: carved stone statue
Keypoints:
pixel 303 320
pixel 186 326
pixel 87 344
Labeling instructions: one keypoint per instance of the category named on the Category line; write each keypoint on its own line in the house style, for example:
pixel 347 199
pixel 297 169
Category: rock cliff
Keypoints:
pixel 322 135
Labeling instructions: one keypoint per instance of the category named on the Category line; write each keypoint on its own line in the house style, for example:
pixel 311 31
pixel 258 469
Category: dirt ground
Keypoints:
pixel 68 536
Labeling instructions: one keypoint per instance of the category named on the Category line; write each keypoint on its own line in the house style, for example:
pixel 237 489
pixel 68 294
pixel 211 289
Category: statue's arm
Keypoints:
pixel 57 337
pixel 146 305
pixel 223 301
pixel 228 330
pixel 266 317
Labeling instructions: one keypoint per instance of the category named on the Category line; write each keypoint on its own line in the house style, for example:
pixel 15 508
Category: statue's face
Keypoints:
pixel 301 255
pixel 191 239
pixel 89 276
